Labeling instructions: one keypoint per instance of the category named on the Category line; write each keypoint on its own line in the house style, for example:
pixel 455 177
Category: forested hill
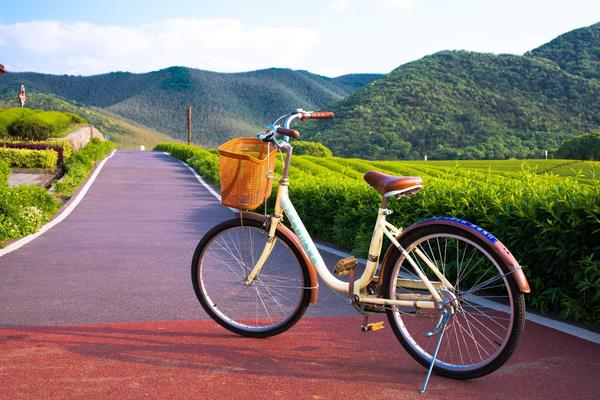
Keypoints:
pixel 577 52
pixel 224 104
pixel 458 104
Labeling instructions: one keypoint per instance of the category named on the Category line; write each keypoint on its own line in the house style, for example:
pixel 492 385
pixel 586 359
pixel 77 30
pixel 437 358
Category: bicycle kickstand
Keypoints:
pixel 440 328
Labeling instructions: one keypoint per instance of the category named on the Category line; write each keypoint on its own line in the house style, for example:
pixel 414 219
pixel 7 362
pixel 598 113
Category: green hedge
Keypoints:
pixel 206 162
pixel 80 164
pixel 25 158
pixel 28 124
pixel 63 148
pixel 4 171
pixel 311 149
pixel 551 224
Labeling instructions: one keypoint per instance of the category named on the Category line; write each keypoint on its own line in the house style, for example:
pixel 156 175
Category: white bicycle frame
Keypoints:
pixel 355 288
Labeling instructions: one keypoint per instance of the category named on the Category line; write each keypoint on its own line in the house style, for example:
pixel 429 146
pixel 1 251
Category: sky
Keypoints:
pixel 327 37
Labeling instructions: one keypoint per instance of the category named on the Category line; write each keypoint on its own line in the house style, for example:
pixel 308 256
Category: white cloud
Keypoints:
pixel 215 44
pixel 397 3
pixel 341 4
pixel 389 4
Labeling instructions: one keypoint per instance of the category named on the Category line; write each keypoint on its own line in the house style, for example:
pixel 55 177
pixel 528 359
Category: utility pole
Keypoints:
pixel 189 124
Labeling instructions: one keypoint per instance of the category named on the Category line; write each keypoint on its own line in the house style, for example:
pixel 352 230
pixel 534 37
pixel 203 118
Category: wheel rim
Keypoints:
pixel 270 301
pixel 482 324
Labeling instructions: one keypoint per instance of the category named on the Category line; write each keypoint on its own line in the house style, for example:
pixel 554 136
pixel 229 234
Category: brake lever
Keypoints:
pixel 266 137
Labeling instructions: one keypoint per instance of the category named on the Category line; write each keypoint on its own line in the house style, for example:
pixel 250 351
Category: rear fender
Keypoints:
pixel 288 233
pixel 497 247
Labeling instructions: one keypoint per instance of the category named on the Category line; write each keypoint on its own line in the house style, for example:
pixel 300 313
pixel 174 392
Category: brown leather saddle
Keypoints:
pixel 390 185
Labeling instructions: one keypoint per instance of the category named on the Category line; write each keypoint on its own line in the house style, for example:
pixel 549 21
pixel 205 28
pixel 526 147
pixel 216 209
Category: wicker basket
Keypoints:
pixel 246 165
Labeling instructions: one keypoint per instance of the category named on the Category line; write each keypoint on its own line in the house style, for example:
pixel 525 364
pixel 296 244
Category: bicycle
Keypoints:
pixel 256 277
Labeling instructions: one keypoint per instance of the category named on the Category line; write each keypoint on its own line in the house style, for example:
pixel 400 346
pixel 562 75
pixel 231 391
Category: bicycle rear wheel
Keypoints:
pixel 275 300
pixel 489 308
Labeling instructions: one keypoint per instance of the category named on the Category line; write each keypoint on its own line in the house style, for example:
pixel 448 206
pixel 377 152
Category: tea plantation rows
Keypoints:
pixel 547 212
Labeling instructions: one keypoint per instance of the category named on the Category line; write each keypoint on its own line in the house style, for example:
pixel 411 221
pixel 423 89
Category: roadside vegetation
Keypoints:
pixel 26 124
pixel 80 165
pixel 550 221
pixel 23 209
pixel 30 139
pixel 125 133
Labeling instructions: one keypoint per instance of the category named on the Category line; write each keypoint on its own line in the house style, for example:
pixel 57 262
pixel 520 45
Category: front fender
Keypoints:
pixel 288 233
pixel 496 245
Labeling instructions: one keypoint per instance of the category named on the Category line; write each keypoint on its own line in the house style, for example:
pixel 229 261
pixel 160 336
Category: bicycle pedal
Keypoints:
pixel 345 266
pixel 373 326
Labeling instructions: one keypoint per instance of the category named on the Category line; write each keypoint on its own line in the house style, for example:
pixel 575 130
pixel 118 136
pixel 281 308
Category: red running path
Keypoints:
pixel 320 358
pixel 71 303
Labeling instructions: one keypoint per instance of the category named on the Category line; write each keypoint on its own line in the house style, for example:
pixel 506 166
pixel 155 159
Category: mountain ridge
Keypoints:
pixel 460 104
pixel 450 104
pixel 224 104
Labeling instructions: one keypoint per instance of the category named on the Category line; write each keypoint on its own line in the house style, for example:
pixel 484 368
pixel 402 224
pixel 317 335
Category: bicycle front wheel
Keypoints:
pixel 489 309
pixel 273 302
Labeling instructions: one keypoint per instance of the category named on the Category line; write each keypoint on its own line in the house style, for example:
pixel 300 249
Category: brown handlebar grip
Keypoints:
pixel 288 132
pixel 322 115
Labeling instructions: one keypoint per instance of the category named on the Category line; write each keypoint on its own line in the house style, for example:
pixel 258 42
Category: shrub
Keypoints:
pixel 311 149
pixel 23 209
pixel 28 124
pixel 25 158
pixel 63 148
pixel 57 120
pixel 75 119
pixel 80 164
pixel 4 171
pixel 551 224
pixel 3 132
pixel 30 128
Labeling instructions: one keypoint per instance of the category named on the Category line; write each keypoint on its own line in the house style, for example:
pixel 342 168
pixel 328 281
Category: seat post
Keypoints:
pixel 384 202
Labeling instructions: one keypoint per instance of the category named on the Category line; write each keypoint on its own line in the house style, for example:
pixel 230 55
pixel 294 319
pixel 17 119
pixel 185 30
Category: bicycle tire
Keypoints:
pixel 485 310
pixel 278 297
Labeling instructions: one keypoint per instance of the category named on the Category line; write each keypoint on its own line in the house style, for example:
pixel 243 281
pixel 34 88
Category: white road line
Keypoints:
pixel 64 214
pixel 538 319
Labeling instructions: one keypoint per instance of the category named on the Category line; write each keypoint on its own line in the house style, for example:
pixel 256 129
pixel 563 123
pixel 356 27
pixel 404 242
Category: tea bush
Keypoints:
pixel 311 149
pixel 550 223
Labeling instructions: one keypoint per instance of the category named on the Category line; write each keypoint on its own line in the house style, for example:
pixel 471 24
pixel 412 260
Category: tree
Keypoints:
pixel 585 147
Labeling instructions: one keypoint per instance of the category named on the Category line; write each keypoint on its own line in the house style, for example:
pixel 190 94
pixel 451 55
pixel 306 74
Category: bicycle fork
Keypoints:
pixel 265 253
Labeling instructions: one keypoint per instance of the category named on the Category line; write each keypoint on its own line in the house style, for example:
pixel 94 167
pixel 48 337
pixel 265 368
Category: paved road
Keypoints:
pixel 102 307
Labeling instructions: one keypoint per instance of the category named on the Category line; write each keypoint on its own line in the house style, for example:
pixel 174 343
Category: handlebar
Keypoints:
pixel 277 128
pixel 317 115
pixel 288 132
